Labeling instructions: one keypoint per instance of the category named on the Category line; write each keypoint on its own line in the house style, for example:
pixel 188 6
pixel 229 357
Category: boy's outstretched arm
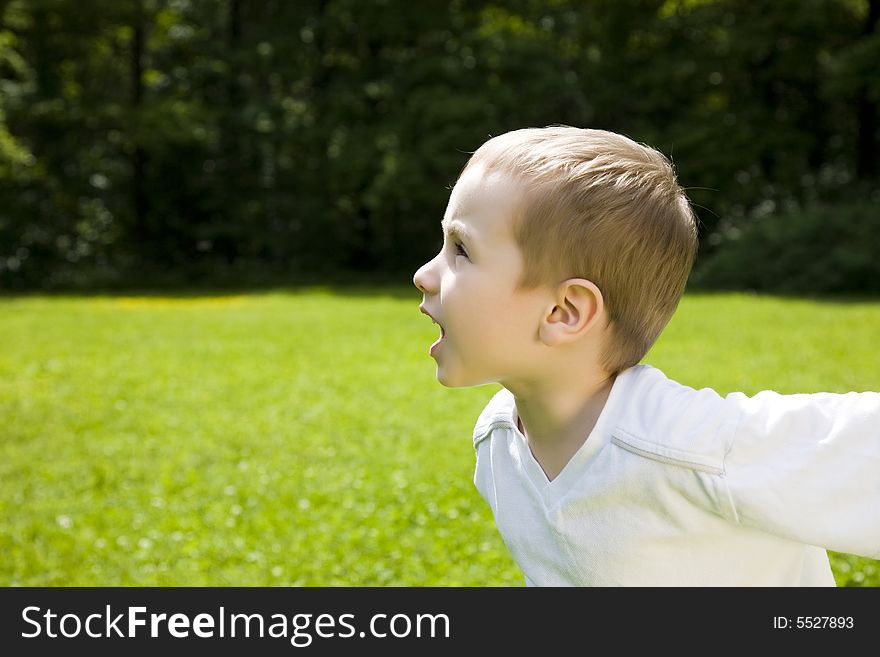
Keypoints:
pixel 807 467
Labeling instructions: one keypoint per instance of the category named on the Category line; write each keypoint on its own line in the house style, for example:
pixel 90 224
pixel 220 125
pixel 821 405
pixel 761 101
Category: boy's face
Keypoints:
pixel 490 332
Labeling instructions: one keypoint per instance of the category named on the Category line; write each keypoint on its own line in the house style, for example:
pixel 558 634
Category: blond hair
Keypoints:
pixel 602 207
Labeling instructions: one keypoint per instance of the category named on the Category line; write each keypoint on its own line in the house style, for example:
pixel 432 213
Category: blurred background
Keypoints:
pixel 167 143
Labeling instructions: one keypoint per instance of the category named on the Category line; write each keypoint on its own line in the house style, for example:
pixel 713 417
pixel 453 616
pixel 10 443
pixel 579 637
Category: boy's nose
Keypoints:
pixel 422 279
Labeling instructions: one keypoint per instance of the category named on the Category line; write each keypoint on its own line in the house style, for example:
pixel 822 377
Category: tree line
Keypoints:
pixel 189 141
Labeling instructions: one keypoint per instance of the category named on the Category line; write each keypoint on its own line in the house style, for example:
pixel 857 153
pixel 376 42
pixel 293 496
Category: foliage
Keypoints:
pixel 185 137
pixel 301 438
pixel 822 250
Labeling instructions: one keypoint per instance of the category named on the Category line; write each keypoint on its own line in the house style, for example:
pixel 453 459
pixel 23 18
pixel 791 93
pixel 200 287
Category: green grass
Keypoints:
pixel 302 439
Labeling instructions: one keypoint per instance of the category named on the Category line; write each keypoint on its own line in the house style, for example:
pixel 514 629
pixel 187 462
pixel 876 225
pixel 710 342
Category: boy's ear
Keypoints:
pixel 576 309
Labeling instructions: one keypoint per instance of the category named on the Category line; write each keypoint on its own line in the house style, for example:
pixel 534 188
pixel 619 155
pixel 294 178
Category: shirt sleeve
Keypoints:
pixel 807 467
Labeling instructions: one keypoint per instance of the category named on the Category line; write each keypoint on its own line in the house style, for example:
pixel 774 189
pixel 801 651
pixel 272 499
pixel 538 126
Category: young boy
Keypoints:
pixel 565 254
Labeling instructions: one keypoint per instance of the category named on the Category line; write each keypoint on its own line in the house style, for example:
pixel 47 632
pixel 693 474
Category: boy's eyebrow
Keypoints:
pixel 457 229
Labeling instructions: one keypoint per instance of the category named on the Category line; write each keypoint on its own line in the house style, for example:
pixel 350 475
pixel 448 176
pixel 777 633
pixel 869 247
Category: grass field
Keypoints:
pixel 301 438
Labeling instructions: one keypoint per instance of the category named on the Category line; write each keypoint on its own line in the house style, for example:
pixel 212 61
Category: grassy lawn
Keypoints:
pixel 302 439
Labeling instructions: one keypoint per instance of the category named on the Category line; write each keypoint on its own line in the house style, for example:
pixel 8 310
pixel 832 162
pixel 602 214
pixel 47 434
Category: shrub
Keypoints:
pixel 824 249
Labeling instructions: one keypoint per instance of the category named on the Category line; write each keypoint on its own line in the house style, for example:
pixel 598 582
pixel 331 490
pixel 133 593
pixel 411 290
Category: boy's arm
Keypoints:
pixel 807 467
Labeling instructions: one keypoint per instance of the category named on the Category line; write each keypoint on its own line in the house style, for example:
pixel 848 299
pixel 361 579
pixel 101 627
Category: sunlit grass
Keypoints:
pixel 301 438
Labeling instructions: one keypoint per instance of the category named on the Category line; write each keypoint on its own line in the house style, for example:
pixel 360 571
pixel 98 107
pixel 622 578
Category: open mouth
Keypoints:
pixel 439 340
pixel 442 332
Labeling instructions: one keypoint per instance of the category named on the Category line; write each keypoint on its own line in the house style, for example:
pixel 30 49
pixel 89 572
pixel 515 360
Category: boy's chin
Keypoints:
pixel 450 379
pixel 445 380
pixel 451 384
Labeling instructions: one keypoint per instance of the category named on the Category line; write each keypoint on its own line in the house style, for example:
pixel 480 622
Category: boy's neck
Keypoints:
pixel 557 419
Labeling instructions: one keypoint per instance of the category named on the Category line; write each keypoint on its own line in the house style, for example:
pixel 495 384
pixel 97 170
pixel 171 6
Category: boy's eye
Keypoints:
pixel 459 249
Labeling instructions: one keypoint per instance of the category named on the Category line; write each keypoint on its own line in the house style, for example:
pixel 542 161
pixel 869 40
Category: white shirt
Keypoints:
pixel 683 487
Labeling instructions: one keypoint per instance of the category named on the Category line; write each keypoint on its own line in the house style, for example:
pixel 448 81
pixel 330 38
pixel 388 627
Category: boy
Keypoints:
pixel 565 254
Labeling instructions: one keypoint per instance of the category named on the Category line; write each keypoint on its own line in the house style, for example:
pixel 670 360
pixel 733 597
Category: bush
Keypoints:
pixel 824 249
